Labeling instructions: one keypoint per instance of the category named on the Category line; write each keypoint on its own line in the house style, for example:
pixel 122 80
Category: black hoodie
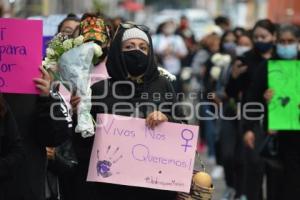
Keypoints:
pixel 152 86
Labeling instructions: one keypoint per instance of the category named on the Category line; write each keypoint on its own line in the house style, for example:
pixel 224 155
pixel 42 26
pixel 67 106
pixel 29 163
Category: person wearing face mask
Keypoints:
pixel 230 140
pixel 216 85
pixel 244 44
pixel 228 43
pixel 170 49
pixel 131 60
pixel 243 73
pixel 225 141
pixel 285 177
pixel 263 37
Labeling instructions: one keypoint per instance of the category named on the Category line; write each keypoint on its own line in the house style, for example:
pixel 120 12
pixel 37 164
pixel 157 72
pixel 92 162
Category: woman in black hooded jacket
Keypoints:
pixel 130 59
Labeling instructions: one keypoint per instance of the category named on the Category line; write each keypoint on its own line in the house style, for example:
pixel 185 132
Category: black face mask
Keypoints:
pixel 136 62
pixel 263 47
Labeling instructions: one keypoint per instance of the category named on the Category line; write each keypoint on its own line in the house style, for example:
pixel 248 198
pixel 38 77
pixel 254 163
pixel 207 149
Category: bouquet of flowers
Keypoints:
pixel 58 46
pixel 75 58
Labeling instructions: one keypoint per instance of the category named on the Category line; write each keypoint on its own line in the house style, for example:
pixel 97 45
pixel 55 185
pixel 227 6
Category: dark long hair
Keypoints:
pixel 266 24
pixel 294 30
pixel 222 41
pixel 70 17
pixel 2 107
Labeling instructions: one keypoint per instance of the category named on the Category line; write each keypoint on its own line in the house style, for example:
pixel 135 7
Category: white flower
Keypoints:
pixel 50 52
pixel 48 63
pixel 45 63
pixel 68 44
pixel 53 66
pixel 59 35
pixel 215 72
pixel 78 41
pixel 226 60
pixel 221 60
pixel 97 50
pixel 167 74
pixel 216 58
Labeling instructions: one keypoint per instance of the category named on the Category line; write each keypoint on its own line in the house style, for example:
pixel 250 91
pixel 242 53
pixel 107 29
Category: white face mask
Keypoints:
pixel 169 30
pixel 240 50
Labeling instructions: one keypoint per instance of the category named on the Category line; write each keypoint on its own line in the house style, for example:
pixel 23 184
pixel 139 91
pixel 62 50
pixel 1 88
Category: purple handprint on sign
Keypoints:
pixel 104 166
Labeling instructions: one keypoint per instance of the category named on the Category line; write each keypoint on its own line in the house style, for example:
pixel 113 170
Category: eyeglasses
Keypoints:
pixel 129 25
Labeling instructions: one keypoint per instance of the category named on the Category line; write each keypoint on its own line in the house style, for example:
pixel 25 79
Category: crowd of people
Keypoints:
pixel 44 159
pixel 246 149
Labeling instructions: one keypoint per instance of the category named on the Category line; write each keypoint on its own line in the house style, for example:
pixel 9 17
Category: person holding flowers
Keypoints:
pixel 130 59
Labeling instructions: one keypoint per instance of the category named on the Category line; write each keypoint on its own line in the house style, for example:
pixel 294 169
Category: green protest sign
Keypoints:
pixel 284 108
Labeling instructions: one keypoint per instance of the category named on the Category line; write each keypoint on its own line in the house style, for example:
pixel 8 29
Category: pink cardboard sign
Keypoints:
pixel 20 55
pixel 126 152
pixel 99 73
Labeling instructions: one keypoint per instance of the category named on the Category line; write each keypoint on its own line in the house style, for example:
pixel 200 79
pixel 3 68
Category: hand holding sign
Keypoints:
pixel 43 83
pixel 155 118
pixel 268 95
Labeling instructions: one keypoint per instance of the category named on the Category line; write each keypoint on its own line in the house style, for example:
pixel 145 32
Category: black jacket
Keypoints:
pixel 144 91
pixel 240 85
pixel 60 172
pixel 39 129
pixel 11 152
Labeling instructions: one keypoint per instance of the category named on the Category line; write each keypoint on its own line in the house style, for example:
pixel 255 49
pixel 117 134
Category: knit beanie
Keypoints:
pixel 135 33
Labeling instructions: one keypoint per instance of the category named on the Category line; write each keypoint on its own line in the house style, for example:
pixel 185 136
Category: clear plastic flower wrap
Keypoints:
pixel 75 68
